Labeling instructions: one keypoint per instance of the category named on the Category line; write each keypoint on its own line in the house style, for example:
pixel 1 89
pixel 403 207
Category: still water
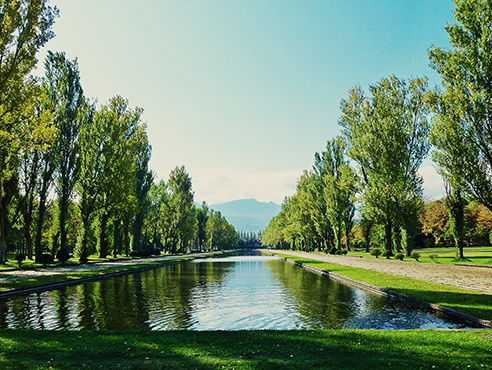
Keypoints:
pixel 231 293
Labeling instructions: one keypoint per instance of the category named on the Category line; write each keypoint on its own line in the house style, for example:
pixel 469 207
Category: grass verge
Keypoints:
pixel 471 303
pixel 344 349
pixel 445 256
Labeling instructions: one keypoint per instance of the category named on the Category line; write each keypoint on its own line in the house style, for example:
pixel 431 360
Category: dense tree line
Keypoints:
pixel 175 224
pixel 74 176
pixel 386 134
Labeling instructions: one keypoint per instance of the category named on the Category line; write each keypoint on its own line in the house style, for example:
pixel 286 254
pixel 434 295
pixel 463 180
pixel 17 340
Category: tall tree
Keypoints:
pixel 144 179
pixel 202 215
pixel 339 190
pixel 25 26
pixel 116 194
pixel 387 136
pixel 178 219
pixel 62 83
pixel 463 120
pixel 91 141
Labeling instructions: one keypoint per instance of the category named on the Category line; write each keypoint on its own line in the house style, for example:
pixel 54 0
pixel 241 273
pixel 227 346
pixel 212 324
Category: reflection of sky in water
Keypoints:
pixel 248 298
pixel 242 292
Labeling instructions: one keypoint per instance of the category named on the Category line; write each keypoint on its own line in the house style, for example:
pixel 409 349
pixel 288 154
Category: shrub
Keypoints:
pixel 434 258
pixel 62 255
pixel 399 256
pixel 338 252
pixel 46 259
pixel 344 252
pixel 388 254
pixel 376 252
pixel 415 255
pixel 333 250
pixel 20 258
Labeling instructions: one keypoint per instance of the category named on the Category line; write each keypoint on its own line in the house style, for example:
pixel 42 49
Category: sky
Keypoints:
pixel 244 92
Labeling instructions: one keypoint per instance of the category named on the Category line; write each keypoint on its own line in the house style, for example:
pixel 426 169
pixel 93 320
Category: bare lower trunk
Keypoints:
pixel 388 240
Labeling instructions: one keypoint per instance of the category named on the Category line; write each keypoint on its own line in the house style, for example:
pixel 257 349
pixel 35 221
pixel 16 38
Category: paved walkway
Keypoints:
pixel 10 275
pixel 478 279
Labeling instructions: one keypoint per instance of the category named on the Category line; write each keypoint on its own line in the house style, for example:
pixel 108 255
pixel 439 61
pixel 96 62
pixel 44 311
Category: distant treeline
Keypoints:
pixel 386 134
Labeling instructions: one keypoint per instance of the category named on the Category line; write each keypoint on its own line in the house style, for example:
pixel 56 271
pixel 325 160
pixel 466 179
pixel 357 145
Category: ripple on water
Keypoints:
pixel 233 293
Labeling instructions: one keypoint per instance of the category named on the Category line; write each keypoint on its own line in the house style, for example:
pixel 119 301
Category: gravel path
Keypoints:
pixel 478 279
pixel 10 275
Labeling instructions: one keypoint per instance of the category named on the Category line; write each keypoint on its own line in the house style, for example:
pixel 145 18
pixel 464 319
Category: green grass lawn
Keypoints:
pixel 27 264
pixel 264 349
pixel 473 255
pixel 471 303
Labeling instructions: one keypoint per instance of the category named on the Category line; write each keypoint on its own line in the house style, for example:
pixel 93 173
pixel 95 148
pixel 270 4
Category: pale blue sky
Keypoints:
pixel 244 92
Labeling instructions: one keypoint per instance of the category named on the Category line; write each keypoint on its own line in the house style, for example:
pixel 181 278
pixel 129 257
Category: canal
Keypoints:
pixel 229 293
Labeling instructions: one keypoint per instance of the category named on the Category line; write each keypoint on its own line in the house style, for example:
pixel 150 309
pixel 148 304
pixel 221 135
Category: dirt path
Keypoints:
pixel 478 279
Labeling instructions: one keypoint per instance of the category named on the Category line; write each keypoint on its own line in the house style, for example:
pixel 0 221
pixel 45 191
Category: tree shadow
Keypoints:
pixel 266 349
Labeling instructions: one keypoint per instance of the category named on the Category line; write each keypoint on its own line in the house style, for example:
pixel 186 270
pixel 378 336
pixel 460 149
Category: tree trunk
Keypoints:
pixel 388 237
pixel 103 243
pixel 126 237
pixel 397 239
pixel 116 238
pixel 3 236
pixel 64 201
pixel 38 249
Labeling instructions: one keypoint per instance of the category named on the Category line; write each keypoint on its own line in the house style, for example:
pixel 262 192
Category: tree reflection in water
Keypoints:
pixel 232 293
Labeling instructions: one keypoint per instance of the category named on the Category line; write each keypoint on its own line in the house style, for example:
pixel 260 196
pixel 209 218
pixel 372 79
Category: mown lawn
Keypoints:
pixel 473 255
pixel 336 349
pixel 471 303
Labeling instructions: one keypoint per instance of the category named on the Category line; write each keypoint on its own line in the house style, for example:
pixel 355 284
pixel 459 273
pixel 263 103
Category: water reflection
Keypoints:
pixel 244 292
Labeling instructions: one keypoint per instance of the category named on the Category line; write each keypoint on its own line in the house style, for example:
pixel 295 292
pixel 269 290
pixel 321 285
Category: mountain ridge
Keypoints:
pixel 247 214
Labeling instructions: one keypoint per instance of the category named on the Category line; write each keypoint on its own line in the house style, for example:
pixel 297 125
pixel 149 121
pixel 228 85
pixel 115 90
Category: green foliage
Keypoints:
pixel 20 258
pixel 415 256
pixel 220 233
pixel 387 254
pixel 376 252
pixel 344 252
pixel 434 258
pixel 333 250
pixel 178 219
pixel 399 256
pixel 387 137
pixel 25 26
pixel 62 255
pixel 461 130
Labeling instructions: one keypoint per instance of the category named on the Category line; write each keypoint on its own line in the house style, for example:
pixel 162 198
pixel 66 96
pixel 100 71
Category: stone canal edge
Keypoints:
pixel 415 302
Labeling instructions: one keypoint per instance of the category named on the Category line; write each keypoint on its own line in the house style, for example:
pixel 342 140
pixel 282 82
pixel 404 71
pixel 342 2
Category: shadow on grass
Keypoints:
pixel 245 349
pixel 475 304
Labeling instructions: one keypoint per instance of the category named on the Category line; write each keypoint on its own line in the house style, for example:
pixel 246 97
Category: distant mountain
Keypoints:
pixel 247 214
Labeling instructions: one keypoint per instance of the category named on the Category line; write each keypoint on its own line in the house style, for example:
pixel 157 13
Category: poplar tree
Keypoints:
pixel 387 136
pixel 62 84
pixel 463 120
pixel 25 26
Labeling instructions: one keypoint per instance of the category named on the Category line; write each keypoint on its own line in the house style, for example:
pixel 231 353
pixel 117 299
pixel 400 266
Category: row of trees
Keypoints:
pixel 75 176
pixel 387 134
pixel 174 223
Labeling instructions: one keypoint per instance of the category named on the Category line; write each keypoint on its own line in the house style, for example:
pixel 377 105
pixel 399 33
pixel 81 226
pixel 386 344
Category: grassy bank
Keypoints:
pixel 471 303
pixel 345 349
